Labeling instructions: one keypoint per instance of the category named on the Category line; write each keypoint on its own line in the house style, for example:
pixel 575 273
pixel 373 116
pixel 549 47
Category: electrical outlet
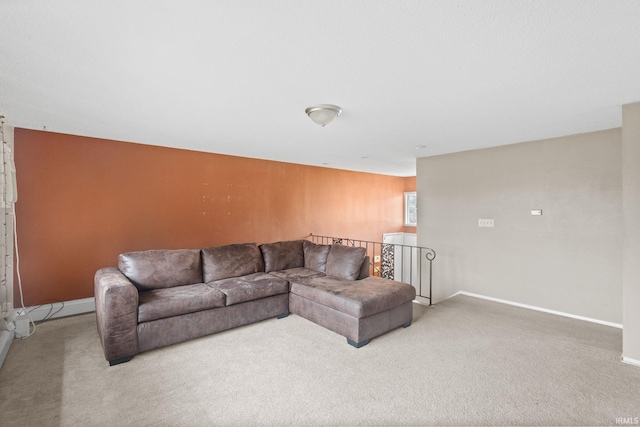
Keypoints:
pixel 376 258
pixel 485 222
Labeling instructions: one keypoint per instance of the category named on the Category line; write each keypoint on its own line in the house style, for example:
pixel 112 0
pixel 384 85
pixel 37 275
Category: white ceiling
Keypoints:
pixel 235 77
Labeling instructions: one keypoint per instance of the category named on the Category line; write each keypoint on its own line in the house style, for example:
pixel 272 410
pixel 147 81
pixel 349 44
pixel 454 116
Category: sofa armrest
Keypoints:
pixel 117 314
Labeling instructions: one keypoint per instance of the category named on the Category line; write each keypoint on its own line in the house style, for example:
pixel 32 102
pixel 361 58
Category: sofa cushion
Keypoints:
pixel 315 256
pixel 361 298
pixel 250 287
pixel 282 255
pixel 292 274
pixel 345 262
pixel 169 302
pixel 161 268
pixel 222 262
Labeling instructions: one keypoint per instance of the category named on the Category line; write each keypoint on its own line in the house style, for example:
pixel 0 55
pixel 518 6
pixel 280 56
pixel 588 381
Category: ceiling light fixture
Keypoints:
pixel 323 114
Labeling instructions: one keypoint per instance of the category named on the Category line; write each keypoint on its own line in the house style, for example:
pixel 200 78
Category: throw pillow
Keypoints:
pixel 345 262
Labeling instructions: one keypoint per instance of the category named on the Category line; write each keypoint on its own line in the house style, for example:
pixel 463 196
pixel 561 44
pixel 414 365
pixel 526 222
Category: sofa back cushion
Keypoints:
pixel 315 256
pixel 345 262
pixel 223 262
pixel 161 268
pixel 282 255
pixel 366 266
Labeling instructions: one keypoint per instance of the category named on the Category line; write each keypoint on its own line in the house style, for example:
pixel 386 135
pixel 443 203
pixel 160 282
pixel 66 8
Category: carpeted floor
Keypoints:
pixel 464 361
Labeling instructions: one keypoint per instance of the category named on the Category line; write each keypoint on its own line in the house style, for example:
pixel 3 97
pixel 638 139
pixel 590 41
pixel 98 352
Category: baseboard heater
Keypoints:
pixel 61 309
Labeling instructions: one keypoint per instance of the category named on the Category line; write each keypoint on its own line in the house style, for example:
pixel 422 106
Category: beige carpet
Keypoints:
pixel 464 361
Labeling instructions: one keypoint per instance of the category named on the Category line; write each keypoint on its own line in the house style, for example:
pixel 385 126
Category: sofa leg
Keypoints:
pixel 119 361
pixel 358 344
pixel 406 325
pixel 283 315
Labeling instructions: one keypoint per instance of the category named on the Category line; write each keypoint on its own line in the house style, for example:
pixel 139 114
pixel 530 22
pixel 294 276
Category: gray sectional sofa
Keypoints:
pixel 157 298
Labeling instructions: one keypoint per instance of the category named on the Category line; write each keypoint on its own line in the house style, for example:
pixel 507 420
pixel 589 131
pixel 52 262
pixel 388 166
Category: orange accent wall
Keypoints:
pixel 82 201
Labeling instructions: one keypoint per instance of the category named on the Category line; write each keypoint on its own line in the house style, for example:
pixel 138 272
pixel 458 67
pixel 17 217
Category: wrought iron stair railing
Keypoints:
pixel 405 263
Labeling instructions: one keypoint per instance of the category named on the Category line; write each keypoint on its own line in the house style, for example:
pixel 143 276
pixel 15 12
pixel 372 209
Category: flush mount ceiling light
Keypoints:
pixel 323 114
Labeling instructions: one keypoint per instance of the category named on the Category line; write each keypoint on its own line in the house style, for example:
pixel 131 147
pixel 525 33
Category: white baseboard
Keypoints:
pixel 630 361
pixel 6 338
pixel 62 309
pixel 544 310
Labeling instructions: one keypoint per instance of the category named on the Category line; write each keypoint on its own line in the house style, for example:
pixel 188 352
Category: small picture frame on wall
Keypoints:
pixel 410 209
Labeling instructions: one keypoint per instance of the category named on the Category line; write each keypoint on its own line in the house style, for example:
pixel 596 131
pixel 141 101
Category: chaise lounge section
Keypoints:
pixel 358 311
pixel 157 298
pixel 334 290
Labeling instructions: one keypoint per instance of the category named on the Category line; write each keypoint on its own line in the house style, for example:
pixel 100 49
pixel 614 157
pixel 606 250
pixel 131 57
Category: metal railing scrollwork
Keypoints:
pixel 393 261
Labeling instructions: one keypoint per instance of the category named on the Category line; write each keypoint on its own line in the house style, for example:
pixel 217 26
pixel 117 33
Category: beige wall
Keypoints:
pixel 631 246
pixel 569 259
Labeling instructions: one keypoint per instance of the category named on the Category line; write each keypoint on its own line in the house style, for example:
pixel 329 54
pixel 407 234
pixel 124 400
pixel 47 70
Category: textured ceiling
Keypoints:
pixel 235 77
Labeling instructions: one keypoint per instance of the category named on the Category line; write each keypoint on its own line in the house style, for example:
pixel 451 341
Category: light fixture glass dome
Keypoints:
pixel 323 114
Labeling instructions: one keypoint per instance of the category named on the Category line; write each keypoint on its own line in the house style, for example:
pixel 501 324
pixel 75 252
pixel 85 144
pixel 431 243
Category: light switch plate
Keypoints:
pixel 485 222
